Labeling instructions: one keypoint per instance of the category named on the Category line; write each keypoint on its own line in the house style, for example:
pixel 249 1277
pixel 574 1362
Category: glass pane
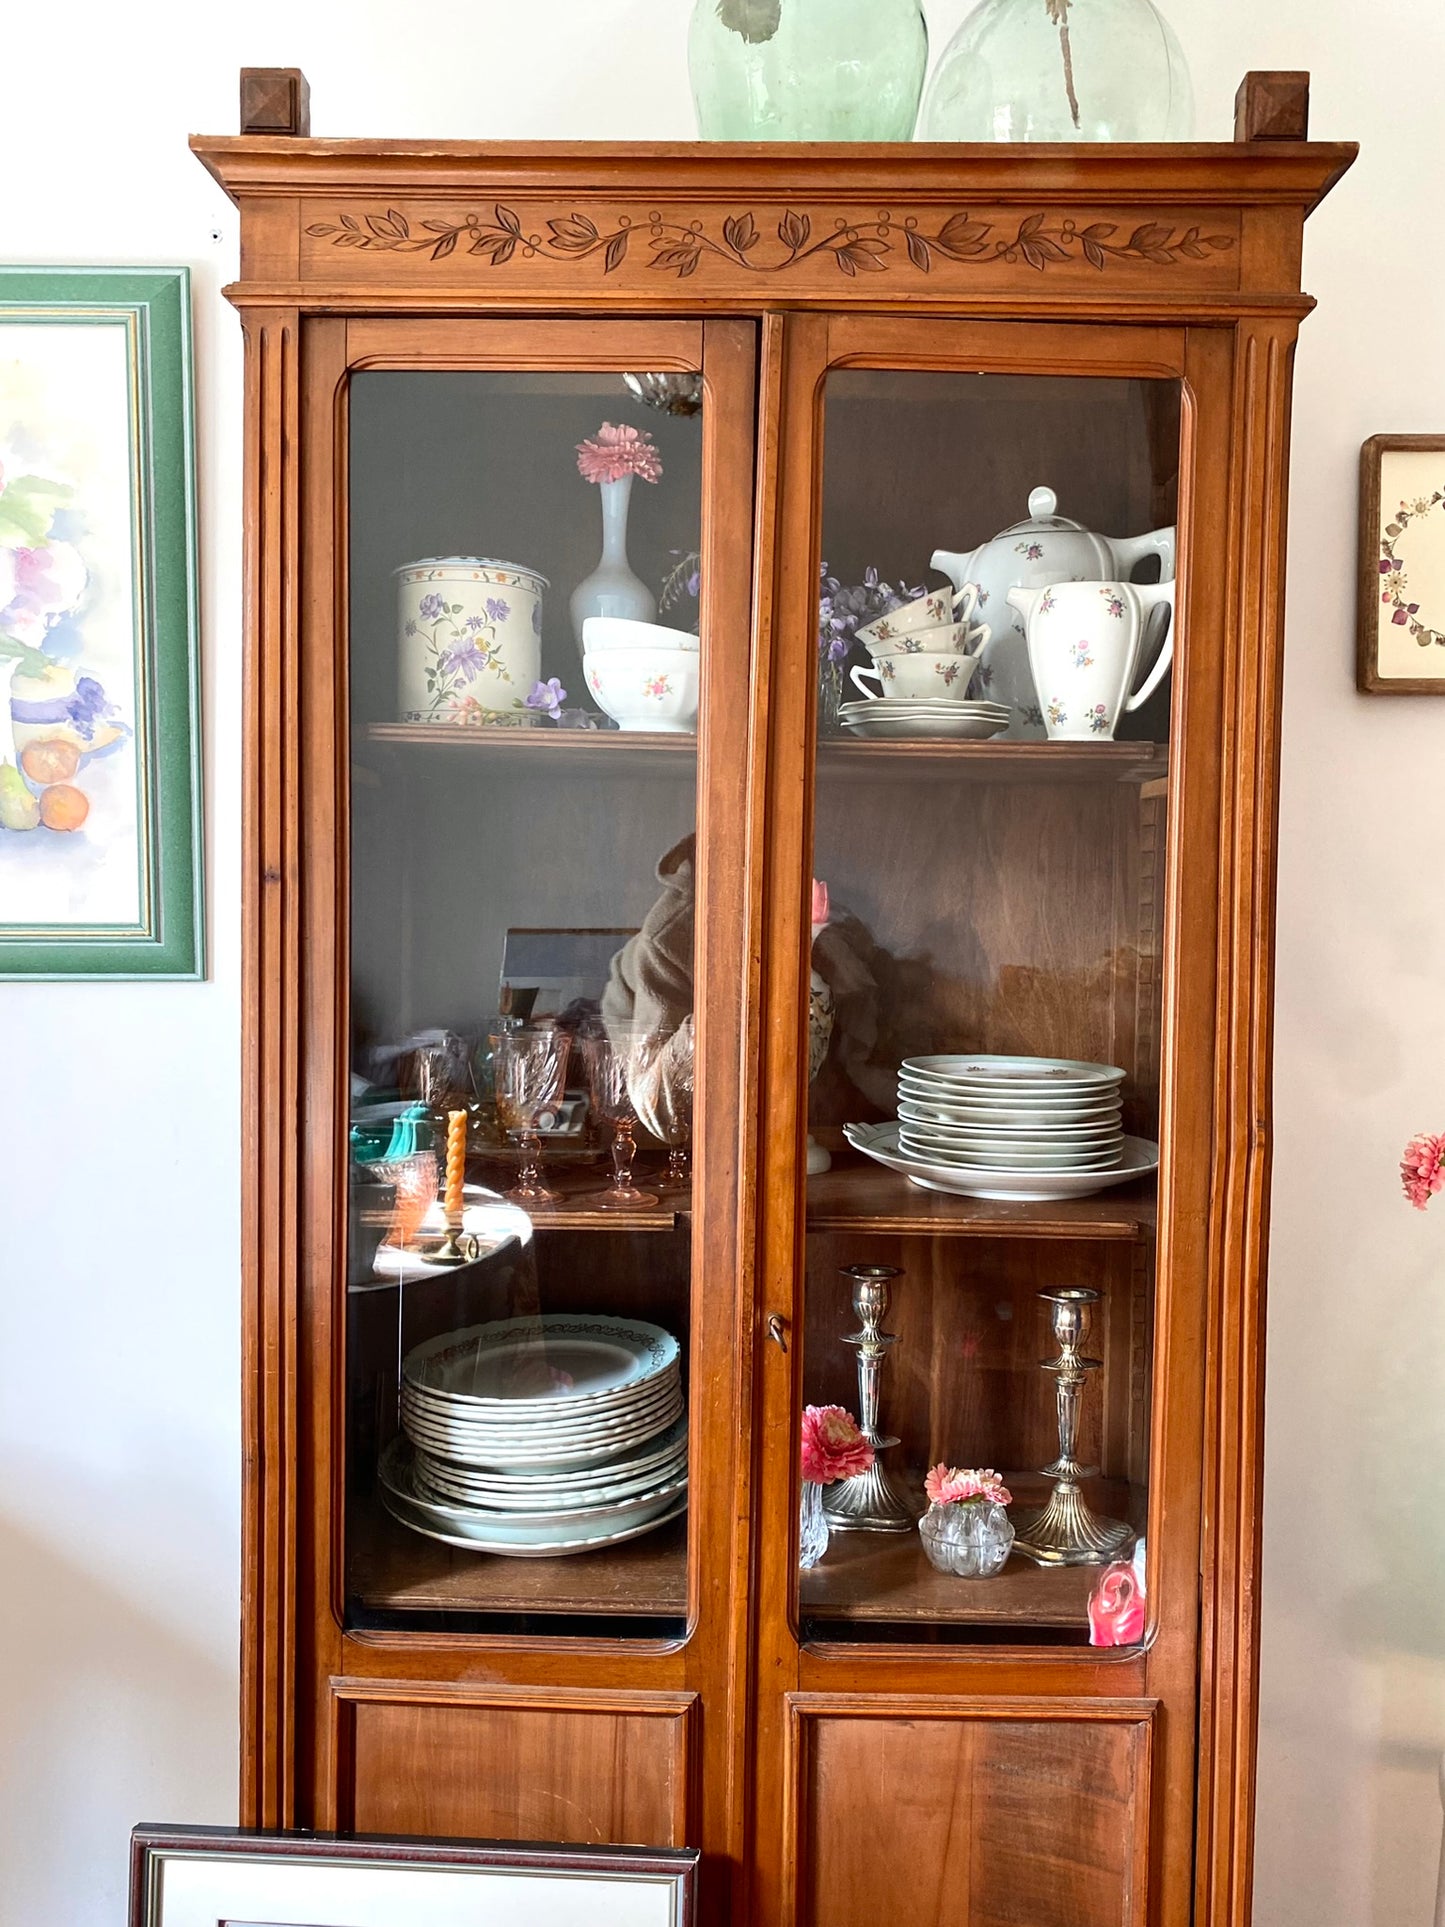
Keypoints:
pixel 522 1040
pixel 989 823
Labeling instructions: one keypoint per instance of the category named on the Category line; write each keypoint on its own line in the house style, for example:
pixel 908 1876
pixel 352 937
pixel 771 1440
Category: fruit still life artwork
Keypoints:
pixel 71 830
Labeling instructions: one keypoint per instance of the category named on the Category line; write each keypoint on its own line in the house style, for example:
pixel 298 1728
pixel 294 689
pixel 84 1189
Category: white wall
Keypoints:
pixel 118 1256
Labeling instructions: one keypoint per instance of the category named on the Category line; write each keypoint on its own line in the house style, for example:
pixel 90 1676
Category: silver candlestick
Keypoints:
pixel 868 1501
pixel 1067 1532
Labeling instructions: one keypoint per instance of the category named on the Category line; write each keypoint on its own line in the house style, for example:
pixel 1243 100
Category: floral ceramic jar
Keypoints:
pixel 470 645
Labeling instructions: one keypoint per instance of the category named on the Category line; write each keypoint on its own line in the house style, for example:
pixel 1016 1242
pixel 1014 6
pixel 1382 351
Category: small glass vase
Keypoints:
pixel 612 589
pixel 1060 70
pixel 813 1525
pixel 830 694
pixel 807 70
pixel 971 1539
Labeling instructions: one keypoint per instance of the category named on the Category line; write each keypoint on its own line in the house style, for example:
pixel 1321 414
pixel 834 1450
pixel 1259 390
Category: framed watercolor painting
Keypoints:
pixel 1401 641
pixel 100 799
pixel 204 1877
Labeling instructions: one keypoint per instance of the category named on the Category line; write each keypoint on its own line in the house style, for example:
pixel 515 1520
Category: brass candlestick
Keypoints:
pixel 868 1501
pixel 1067 1532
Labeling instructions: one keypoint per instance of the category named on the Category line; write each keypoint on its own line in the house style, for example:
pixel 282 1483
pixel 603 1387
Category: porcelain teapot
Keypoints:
pixel 1034 554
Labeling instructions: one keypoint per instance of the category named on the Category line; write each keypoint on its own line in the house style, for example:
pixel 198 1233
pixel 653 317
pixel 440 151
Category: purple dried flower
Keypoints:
pixel 549 697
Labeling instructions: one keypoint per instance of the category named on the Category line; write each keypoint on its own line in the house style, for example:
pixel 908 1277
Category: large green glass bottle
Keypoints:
pixel 807 70
pixel 1060 70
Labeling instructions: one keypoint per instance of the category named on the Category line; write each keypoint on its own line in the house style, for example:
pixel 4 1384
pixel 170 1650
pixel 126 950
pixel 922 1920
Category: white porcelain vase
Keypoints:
pixel 469 648
pixel 612 589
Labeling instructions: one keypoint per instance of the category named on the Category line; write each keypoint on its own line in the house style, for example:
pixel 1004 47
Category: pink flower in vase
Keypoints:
pixel 833 1447
pixel 948 1485
pixel 819 915
pixel 1422 1169
pixel 619 451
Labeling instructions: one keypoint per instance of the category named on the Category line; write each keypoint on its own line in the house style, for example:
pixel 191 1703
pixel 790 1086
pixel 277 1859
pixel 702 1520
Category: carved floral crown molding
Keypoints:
pixel 866 247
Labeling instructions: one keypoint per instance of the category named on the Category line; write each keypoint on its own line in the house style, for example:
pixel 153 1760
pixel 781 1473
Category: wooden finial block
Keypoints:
pixel 1272 107
pixel 275 100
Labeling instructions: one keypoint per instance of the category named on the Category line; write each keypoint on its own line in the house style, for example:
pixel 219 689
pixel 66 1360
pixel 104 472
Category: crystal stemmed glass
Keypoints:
pixel 608 1062
pixel 530 1068
pixel 660 1078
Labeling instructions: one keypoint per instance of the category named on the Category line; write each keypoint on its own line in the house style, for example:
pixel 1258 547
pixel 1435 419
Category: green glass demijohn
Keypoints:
pixel 1060 70
pixel 807 70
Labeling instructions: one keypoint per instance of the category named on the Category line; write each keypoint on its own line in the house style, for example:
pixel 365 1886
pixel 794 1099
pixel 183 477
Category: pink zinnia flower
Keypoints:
pixel 833 1447
pixel 617 452
pixel 947 1485
pixel 1422 1169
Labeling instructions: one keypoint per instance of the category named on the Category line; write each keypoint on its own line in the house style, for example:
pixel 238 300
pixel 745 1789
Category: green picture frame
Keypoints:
pixel 101 818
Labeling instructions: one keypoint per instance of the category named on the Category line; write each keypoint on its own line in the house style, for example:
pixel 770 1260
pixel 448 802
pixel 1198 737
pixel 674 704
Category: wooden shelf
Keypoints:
pixel 642 752
pixel 995 762
pixel 619 752
pixel 878 1578
pixel 858 1195
pixel 392 1569
pixel 581 1187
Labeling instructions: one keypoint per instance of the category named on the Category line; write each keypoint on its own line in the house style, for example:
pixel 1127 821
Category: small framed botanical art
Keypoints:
pixel 1401 641
pixel 205 1877
pixel 100 808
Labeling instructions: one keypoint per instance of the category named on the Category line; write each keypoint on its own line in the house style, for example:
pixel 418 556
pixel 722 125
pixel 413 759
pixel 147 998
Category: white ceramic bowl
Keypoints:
pixel 618 632
pixel 652 689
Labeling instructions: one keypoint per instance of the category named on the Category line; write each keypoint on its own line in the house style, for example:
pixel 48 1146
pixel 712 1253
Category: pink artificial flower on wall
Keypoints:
pixel 1422 1169
pixel 833 1447
pixel 619 451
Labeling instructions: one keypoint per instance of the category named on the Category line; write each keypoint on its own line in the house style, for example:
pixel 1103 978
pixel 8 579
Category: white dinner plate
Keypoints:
pixel 578 1455
pixel 1035 1127
pixel 1008 1157
pixel 929 1108
pixel 558 1358
pixel 584 1489
pixel 880 1142
pixel 538 1430
pixel 460 1441
pixel 421 1516
pixel 646 1458
pixel 1019 1076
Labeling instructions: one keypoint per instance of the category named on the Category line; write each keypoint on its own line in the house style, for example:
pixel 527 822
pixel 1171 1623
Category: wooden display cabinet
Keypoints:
pixel 895 345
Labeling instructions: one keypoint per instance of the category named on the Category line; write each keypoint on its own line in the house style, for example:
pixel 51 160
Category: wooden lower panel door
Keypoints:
pixel 609 1768
pixel 970 1812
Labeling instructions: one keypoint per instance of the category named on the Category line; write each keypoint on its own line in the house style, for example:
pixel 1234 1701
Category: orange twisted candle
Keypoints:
pixel 456 1166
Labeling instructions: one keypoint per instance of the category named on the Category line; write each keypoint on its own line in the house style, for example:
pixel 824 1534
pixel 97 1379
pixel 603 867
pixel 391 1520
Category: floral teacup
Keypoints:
pixel 958 638
pixel 925 672
pixel 939 606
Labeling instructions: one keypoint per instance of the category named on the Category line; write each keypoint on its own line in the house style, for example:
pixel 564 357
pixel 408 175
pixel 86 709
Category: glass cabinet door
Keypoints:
pixel 529 1068
pixel 989 787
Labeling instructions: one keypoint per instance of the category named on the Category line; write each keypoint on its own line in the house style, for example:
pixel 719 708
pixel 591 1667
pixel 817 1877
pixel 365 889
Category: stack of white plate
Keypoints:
pixel 1034 1128
pixel 893 717
pixel 540 1436
pixel 1011 1113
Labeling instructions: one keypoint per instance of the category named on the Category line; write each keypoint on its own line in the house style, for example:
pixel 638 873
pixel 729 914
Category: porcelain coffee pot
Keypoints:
pixel 1086 641
pixel 1045 549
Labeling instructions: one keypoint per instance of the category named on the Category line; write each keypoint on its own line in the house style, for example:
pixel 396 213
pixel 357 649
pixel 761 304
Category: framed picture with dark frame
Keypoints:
pixel 1401 628
pixel 231 1877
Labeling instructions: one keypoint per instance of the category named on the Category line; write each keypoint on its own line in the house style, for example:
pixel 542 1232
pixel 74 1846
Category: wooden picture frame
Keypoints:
pixel 1395 632
pixel 100 771
pixel 230 1877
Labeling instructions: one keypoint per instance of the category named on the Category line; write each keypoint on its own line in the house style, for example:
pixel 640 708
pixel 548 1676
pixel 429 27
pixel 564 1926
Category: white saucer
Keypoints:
pixel 965 728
